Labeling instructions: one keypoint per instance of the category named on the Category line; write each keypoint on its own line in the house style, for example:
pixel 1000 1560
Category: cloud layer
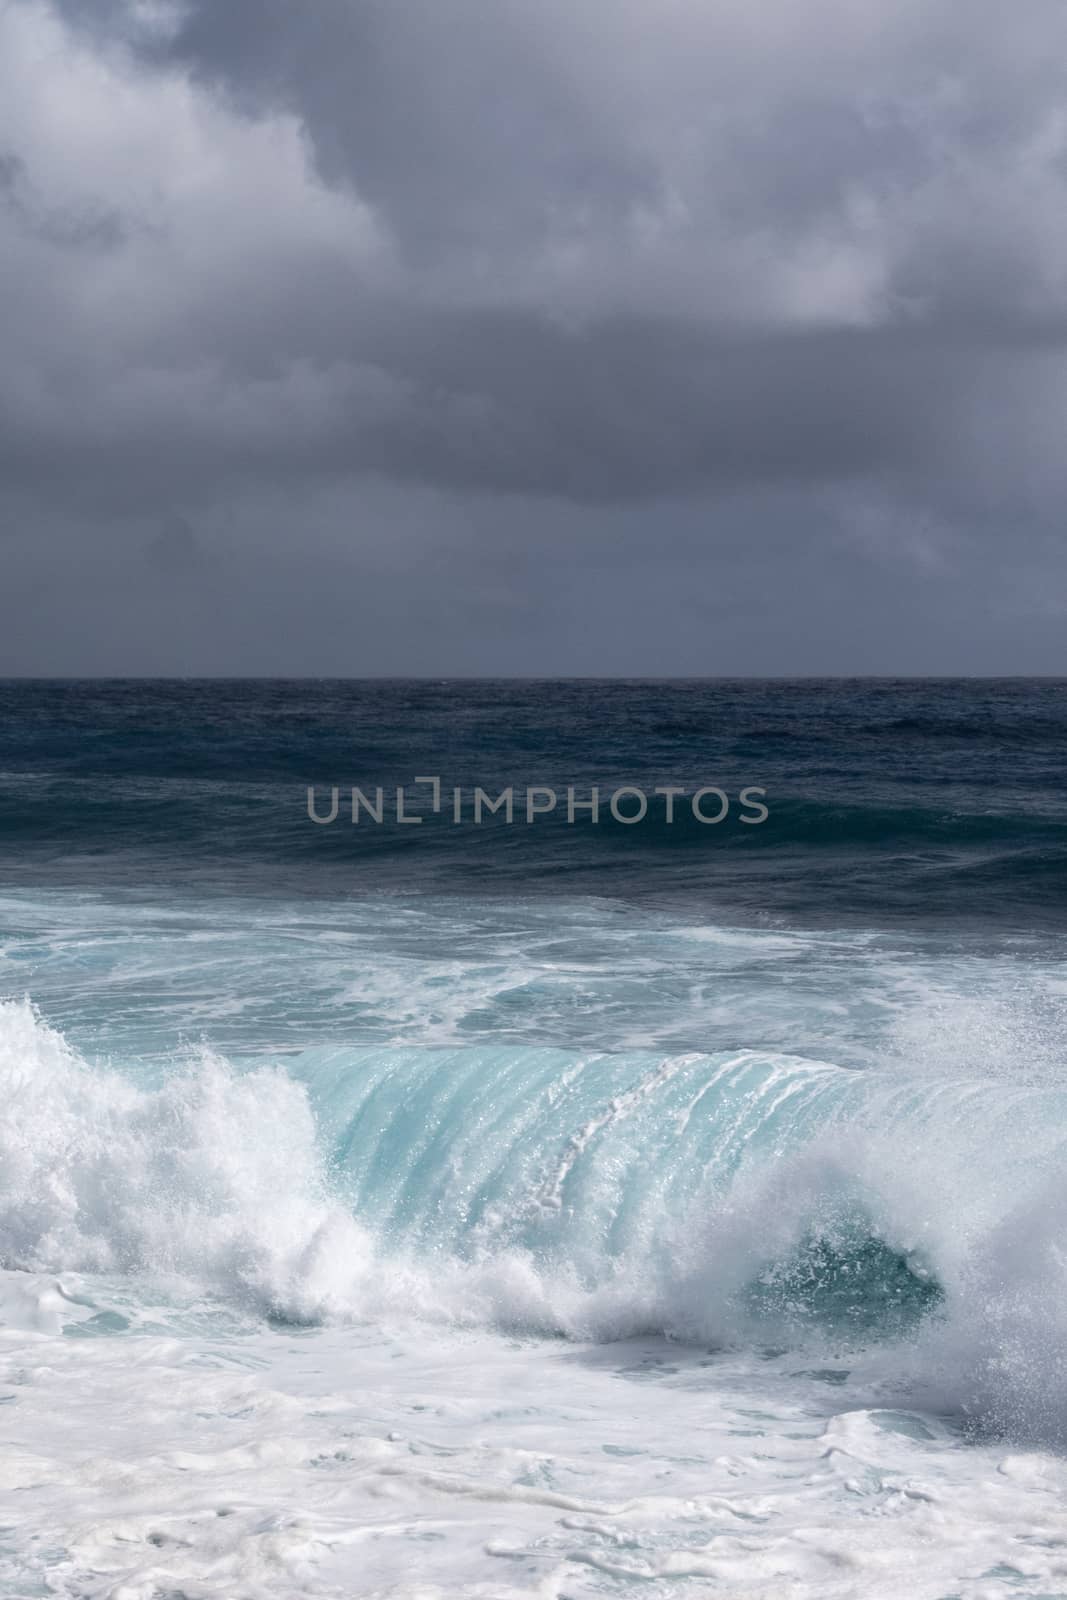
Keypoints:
pixel 539 337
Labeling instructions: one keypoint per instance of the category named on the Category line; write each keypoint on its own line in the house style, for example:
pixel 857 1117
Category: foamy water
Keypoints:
pixel 768 1298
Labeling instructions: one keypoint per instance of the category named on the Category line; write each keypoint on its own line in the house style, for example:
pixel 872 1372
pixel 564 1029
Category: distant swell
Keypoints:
pixel 1019 729
pixel 890 828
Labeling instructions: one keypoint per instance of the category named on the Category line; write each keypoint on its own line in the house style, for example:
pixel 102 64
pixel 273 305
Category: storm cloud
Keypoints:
pixel 442 337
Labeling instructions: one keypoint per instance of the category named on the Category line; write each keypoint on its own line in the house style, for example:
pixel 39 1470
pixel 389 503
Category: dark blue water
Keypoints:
pixel 929 802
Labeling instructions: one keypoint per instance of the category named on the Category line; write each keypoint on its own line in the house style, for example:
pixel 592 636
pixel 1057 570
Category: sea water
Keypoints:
pixel 543 1209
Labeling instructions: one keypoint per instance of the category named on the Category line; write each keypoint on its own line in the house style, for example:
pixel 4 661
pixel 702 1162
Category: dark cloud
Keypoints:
pixel 609 321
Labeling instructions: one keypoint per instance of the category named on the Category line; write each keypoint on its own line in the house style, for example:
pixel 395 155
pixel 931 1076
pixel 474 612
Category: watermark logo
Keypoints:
pixel 627 804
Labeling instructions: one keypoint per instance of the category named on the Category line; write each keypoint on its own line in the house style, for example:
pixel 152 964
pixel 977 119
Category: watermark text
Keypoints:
pixel 628 804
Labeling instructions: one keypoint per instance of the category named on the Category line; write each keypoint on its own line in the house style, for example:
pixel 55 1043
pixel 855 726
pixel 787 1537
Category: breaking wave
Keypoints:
pixel 732 1198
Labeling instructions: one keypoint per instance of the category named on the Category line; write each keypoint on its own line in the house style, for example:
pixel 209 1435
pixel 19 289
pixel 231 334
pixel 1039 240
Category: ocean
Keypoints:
pixel 668 1204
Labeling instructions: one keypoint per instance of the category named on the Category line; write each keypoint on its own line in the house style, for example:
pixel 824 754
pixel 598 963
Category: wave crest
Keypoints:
pixel 736 1199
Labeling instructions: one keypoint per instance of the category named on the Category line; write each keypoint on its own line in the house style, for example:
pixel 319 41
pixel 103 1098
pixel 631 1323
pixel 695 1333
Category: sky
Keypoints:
pixel 534 337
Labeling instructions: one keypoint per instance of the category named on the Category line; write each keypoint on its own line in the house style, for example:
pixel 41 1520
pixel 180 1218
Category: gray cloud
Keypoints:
pixel 616 322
